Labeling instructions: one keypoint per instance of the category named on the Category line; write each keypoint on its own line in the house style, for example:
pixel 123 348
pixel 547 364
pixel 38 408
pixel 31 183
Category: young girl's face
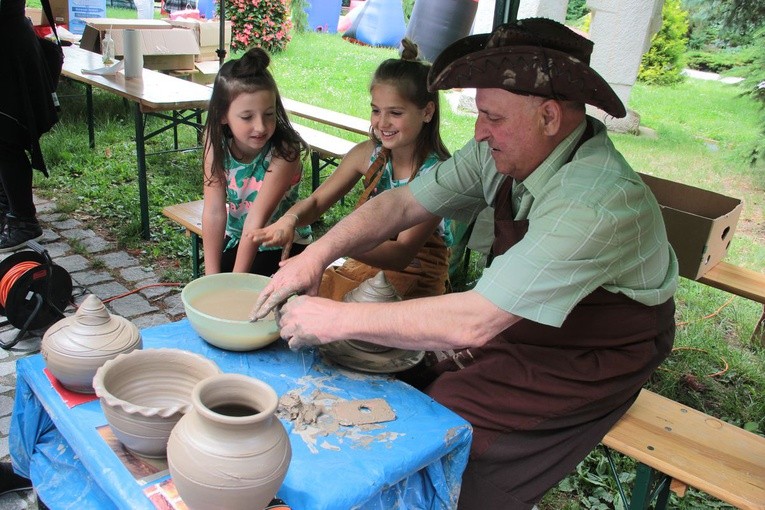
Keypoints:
pixel 251 117
pixel 396 121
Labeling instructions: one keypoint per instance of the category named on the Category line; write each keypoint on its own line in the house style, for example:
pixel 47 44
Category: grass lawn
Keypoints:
pixel 704 133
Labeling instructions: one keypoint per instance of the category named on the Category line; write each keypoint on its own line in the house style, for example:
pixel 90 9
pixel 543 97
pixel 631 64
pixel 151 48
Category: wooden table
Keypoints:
pixel 177 101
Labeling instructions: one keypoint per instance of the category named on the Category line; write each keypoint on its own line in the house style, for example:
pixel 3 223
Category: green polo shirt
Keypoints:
pixel 592 223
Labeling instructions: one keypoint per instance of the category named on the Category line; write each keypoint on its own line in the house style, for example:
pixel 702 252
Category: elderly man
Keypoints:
pixel 576 309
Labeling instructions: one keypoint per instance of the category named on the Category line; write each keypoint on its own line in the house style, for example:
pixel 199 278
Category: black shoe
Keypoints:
pixel 18 232
pixel 10 481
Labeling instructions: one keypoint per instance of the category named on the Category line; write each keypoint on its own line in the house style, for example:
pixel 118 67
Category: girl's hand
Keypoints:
pixel 280 233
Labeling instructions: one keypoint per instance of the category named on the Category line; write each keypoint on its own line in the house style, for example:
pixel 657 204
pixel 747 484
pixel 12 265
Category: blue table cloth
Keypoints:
pixel 413 462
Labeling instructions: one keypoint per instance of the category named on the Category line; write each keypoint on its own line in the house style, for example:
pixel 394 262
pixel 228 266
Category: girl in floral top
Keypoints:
pixel 404 142
pixel 253 166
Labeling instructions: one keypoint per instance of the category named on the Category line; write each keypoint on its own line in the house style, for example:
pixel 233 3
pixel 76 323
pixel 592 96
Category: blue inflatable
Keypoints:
pixel 380 23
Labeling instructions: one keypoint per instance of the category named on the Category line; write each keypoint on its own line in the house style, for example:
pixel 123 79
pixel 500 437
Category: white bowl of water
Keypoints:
pixel 218 307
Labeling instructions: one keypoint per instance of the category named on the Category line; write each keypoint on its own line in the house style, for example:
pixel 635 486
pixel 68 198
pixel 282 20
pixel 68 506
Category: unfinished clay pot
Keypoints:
pixel 366 356
pixel 373 290
pixel 230 450
pixel 75 347
pixel 144 393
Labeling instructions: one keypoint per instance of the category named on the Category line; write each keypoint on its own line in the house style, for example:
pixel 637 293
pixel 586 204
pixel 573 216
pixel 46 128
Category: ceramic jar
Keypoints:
pixel 373 290
pixel 230 450
pixel 76 346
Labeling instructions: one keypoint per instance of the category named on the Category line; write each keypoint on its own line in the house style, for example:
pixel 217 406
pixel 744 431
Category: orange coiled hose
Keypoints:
pixel 12 276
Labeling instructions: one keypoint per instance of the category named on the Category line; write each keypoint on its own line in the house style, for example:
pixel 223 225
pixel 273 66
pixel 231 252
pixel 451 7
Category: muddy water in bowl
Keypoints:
pixel 229 304
pixel 218 308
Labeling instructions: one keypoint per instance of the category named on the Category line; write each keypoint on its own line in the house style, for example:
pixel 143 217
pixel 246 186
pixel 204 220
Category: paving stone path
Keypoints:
pixel 96 267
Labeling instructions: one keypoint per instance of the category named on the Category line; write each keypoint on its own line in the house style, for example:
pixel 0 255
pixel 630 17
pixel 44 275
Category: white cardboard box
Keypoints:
pixel 163 49
pixel 208 36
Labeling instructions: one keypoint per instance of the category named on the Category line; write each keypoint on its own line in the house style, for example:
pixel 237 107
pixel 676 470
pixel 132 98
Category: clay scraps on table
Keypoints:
pixel 362 412
pixel 322 414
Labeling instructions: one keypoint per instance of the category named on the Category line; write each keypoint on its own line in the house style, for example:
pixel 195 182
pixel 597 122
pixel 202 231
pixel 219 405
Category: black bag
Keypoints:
pixel 52 51
pixel 54 58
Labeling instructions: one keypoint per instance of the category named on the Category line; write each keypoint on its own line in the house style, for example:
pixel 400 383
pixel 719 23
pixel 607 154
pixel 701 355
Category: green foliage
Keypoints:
pixel 722 60
pixel 408 6
pixel 299 15
pixel 262 23
pixel 662 64
pixel 755 86
pixel 576 9
pixel 723 23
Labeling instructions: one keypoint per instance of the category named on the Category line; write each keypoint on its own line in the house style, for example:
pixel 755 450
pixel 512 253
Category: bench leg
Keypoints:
pixel 195 258
pixel 649 485
pixel 315 170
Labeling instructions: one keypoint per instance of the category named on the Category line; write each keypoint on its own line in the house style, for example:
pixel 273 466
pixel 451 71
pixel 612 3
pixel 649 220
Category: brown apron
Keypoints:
pixel 541 398
pixel 426 275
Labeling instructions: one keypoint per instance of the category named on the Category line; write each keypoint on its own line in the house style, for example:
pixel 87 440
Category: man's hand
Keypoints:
pixel 306 321
pixel 298 275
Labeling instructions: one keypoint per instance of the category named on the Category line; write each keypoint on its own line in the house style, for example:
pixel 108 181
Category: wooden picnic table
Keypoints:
pixel 176 101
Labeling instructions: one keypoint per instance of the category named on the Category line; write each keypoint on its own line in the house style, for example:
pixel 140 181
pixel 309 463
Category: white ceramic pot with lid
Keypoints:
pixel 76 346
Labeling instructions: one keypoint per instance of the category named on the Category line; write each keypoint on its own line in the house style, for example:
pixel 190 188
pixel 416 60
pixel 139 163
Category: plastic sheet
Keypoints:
pixel 415 461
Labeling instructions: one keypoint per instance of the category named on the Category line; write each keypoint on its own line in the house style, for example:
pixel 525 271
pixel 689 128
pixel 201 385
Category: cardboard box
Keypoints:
pixel 36 16
pixel 60 10
pixel 163 49
pixel 95 29
pixel 208 36
pixel 204 73
pixel 700 224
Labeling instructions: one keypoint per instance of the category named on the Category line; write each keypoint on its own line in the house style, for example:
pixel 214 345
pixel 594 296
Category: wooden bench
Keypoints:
pixel 677 446
pixel 329 117
pixel 742 282
pixel 189 216
pixel 326 150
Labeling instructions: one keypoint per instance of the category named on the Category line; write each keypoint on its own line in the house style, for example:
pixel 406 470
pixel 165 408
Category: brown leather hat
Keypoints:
pixel 533 56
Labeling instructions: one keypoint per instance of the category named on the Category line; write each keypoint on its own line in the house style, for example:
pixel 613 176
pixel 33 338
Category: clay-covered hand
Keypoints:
pixel 305 321
pixel 279 233
pixel 298 275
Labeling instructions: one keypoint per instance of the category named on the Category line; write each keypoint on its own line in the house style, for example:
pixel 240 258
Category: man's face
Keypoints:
pixel 513 126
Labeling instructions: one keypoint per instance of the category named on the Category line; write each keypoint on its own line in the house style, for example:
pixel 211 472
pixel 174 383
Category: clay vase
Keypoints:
pixel 373 290
pixel 230 450
pixel 76 346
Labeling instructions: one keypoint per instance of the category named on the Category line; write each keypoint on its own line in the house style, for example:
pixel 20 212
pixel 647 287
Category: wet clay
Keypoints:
pixel 229 304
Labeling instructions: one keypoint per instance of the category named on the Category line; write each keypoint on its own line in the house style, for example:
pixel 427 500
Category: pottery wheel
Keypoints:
pixel 388 361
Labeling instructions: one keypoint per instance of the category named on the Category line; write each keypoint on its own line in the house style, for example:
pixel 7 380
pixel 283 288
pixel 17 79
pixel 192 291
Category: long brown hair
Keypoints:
pixel 246 75
pixel 409 75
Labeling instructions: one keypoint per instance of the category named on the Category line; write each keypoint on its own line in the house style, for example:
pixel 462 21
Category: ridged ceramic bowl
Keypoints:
pixel 218 305
pixel 144 393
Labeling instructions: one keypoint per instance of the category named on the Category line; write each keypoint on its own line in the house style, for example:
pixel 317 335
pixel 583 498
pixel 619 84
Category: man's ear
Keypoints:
pixel 552 116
